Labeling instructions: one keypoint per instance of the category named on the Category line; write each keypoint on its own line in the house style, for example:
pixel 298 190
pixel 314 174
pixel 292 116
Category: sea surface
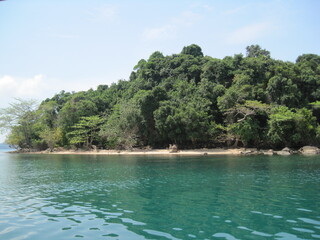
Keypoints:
pixel 5 148
pixel 132 198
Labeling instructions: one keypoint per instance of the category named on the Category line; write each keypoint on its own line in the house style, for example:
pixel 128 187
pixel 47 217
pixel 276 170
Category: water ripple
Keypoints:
pixel 226 236
pixel 160 234
pixel 207 198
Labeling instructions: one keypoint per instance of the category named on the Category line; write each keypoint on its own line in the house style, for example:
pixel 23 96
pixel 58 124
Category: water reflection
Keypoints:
pixel 68 196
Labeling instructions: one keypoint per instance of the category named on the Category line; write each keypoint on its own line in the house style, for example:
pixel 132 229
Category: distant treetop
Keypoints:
pixel 193 50
pixel 256 51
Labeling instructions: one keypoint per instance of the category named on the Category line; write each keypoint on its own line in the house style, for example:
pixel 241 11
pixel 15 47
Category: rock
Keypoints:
pixel 94 148
pixel 251 151
pixel 284 152
pixel 269 152
pixel 148 148
pixel 309 150
pixel 173 148
pixel 58 149
pixel 286 149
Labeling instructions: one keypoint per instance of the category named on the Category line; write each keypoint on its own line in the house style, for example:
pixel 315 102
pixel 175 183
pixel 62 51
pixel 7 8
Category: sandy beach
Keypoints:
pixel 195 152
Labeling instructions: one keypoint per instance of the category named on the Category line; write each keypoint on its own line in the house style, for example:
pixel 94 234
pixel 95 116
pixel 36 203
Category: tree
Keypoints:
pixel 193 50
pixel 19 119
pixel 217 71
pixel 79 105
pixel 51 137
pixel 85 132
pixel 245 131
pixel 283 91
pixel 156 55
pixel 256 51
pixel 291 128
pixel 184 119
pixel 189 99
pixel 237 93
pixel 316 110
pixel 318 134
pixel 248 122
pixel 309 76
pixel 122 128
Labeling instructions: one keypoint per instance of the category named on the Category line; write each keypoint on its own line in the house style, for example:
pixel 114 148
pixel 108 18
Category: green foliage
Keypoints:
pixel 318 134
pixel 193 50
pixel 218 71
pixel 283 91
pixel 188 98
pixel 308 66
pixel 248 122
pixel 121 131
pixel 19 119
pixel 289 128
pixel 236 94
pixel 52 137
pixel 85 132
pixel 184 118
pixel 256 51
pixel 246 130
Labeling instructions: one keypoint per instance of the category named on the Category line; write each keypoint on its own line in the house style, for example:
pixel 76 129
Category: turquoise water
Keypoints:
pixel 112 197
pixel 5 148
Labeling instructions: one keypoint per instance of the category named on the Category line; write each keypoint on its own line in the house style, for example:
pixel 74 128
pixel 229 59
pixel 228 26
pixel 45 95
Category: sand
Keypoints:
pixel 194 152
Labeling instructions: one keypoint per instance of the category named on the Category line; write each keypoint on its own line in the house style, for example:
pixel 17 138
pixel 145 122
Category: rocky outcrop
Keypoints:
pixel 284 152
pixel 269 152
pixel 309 150
pixel 173 148
pixel 250 151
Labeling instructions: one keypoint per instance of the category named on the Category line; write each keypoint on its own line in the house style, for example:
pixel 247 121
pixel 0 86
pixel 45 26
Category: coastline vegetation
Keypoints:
pixel 186 99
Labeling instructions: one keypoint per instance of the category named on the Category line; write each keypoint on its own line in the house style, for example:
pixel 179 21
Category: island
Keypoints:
pixel 188 100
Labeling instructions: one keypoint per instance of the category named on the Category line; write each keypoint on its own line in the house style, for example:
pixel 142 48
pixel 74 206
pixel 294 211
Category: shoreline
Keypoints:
pixel 192 152
pixel 306 150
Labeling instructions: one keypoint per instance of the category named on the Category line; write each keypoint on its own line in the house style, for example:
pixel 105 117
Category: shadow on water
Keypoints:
pixel 131 197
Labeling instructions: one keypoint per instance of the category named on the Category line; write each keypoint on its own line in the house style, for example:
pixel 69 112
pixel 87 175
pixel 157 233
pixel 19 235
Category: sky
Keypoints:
pixel 47 46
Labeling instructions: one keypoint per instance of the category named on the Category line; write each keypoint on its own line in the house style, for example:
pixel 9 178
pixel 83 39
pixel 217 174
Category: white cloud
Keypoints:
pixel 169 31
pixel 250 33
pixel 30 87
pixel 6 83
pixel 24 87
pixel 39 87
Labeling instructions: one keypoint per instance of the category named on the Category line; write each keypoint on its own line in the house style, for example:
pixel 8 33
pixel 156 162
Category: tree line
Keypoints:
pixel 186 99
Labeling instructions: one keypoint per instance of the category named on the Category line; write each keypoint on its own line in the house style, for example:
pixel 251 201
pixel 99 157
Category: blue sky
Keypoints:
pixel 47 46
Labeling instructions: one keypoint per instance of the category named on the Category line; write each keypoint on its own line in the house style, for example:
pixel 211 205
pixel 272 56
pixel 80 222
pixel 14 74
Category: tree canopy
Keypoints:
pixel 189 99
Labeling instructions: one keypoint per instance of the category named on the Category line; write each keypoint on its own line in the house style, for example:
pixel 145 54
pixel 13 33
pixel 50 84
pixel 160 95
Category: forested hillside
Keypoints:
pixel 187 99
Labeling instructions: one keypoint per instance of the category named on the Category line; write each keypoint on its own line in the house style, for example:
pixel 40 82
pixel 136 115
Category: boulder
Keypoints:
pixel 286 149
pixel 309 150
pixel 284 152
pixel 268 152
pixel 249 151
pixel 173 148
pixel 94 148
